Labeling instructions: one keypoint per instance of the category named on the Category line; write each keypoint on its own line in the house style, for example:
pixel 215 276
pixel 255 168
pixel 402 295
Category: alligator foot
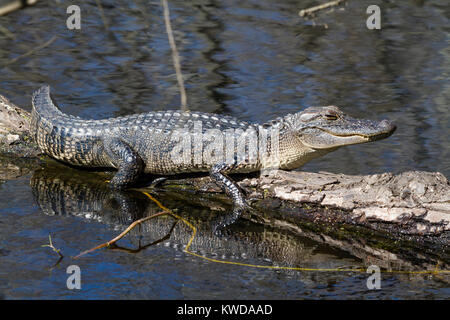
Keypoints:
pixel 154 183
pixel 220 225
pixel 218 175
pixel 128 162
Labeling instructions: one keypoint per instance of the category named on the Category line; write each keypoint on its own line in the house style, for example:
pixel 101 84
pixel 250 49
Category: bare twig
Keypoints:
pixel 102 14
pixel 7 33
pixel 309 11
pixel 15 5
pixel 175 56
pixel 140 248
pixel 50 245
pixel 120 236
pixel 47 43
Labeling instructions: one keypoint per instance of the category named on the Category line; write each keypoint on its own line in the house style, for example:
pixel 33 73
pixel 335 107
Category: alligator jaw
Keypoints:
pixel 320 138
pixel 387 130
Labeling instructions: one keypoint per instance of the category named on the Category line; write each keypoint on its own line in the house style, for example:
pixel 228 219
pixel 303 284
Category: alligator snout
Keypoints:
pixel 389 126
pixel 385 129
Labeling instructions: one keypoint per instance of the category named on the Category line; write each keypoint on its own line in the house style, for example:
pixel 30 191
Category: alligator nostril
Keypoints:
pixel 390 126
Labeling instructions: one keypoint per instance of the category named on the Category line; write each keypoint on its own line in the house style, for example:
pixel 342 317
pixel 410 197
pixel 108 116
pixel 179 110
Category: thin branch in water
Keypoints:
pixel 175 56
pixel 47 43
pixel 120 236
pixel 116 247
pixel 102 14
pixel 50 245
pixel 312 10
pixel 7 33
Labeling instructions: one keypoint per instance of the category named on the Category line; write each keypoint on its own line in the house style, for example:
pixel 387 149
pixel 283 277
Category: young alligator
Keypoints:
pixel 172 142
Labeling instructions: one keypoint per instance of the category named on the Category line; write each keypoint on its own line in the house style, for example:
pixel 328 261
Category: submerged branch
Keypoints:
pixel 120 236
pixel 102 14
pixel 42 46
pixel 50 245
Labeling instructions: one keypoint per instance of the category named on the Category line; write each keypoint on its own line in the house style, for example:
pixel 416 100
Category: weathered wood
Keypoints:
pixel 15 137
pixel 410 203
pixel 417 202
pixel 12 118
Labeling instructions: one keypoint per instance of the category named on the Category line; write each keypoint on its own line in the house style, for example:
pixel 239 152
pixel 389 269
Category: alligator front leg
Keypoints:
pixel 128 163
pixel 218 175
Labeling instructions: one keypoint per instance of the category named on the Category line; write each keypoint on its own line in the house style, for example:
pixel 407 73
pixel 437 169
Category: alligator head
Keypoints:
pixel 329 128
pixel 317 131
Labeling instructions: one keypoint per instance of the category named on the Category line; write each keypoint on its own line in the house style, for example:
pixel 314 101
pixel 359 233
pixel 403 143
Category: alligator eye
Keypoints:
pixel 330 116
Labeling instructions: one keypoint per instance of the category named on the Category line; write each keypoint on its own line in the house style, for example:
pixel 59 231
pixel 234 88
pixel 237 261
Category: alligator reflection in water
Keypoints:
pixel 59 193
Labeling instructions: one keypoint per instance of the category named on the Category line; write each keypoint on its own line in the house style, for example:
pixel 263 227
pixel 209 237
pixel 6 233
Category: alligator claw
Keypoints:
pixel 157 182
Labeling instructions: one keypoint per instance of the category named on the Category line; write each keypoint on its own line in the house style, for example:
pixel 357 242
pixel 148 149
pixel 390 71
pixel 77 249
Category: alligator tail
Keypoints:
pixel 43 104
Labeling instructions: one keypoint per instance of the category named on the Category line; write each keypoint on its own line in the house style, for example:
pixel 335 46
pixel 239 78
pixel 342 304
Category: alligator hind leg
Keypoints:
pixel 128 163
pixel 218 175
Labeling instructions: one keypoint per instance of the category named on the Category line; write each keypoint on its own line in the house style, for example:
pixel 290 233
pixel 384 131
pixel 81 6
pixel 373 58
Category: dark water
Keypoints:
pixel 251 59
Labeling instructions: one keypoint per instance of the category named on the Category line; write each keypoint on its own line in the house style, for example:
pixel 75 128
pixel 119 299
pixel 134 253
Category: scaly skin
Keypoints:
pixel 150 142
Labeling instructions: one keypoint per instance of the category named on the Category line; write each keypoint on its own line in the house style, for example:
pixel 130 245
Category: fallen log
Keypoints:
pixel 417 202
pixel 410 203
pixel 15 139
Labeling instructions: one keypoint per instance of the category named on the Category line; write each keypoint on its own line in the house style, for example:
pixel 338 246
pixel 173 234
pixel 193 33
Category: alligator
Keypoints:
pixel 173 142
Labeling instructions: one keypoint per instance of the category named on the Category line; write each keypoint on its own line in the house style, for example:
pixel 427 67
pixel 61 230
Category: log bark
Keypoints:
pixel 413 203
pixel 416 202
pixel 15 139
